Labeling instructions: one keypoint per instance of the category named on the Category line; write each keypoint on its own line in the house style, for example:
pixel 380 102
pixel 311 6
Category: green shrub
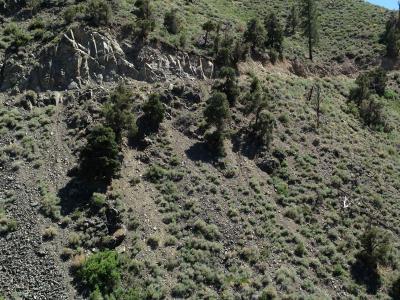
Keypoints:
pixel 156 174
pixel 300 249
pixel 101 271
pixel 269 293
pixel 153 241
pixel 19 36
pixel 50 233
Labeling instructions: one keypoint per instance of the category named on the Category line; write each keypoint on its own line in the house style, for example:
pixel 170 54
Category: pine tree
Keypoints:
pixel 392 43
pixel 391 36
pixel 143 9
pixel 208 27
pixel 145 18
pixel 265 127
pixel 118 112
pixel 99 159
pixel 216 114
pixel 230 85
pixel 257 99
pixel 154 111
pixel 172 22
pixel 274 39
pixel 99 12
pixel 292 20
pixel 309 24
pixel 255 34
pixel 217 110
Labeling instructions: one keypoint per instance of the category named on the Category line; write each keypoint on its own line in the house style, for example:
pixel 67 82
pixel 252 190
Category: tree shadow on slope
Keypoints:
pixel 246 143
pixel 144 134
pixel 200 152
pixel 77 192
pixel 365 274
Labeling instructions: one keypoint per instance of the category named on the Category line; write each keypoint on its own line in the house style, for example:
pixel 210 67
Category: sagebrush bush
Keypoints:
pixel 100 271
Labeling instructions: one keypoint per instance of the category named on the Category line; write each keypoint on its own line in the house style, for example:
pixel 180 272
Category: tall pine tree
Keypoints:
pixel 274 39
pixel 309 14
pixel 391 36
pixel 292 20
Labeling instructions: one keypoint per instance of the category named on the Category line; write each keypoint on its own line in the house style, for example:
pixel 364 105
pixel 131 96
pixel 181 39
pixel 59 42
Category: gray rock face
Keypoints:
pixel 84 56
pixel 13 73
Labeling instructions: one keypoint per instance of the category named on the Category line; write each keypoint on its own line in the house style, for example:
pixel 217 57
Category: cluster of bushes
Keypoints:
pixel 100 159
pixel 366 96
pixel 217 112
pixel 266 36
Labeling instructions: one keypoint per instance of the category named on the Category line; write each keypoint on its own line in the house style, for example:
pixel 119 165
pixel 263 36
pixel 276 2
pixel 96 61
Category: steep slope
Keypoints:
pixel 283 221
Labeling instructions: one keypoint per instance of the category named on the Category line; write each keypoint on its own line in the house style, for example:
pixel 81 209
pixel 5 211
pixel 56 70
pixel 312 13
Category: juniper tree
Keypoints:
pixel 118 112
pixel 309 14
pixel 375 247
pixel 274 39
pixel 172 22
pixel 391 36
pixel 98 12
pixel 255 34
pixel 217 111
pixel 145 18
pixel 154 111
pixel 292 20
pixel 208 27
pixel 230 85
pixel 264 128
pixel 99 159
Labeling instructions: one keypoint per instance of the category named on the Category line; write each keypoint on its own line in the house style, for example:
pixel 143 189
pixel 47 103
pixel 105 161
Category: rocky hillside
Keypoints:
pixel 150 159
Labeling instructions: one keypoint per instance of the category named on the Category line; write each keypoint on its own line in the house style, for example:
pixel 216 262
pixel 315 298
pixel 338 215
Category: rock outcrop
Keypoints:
pixel 84 56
